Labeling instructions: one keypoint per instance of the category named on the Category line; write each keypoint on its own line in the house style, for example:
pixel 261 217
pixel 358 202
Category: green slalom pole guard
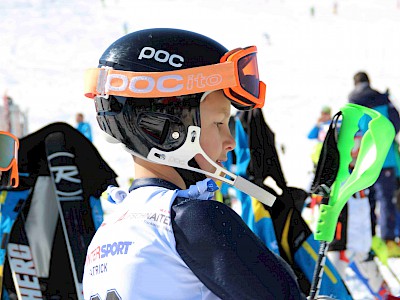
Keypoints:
pixel 374 147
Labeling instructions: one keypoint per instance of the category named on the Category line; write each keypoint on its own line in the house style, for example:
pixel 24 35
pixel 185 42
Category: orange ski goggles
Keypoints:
pixel 236 74
pixel 9 145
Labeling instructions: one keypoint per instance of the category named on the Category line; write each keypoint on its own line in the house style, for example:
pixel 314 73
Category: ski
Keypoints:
pixel 387 272
pixel 21 279
pixel 26 273
pixel 11 203
pixel 74 211
pixel 368 272
pixel 22 266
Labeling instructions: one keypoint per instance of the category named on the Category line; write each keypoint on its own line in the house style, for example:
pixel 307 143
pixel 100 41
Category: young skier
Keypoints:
pixel 318 133
pixel 165 94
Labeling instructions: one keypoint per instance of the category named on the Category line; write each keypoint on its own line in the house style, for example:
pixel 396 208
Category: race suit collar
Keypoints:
pixel 141 182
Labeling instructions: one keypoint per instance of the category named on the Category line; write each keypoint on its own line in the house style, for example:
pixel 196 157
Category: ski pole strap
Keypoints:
pixel 374 147
pixel 328 163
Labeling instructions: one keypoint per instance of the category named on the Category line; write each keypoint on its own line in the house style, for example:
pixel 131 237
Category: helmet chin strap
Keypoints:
pixel 180 158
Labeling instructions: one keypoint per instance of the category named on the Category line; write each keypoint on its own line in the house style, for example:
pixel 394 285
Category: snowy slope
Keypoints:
pixel 306 62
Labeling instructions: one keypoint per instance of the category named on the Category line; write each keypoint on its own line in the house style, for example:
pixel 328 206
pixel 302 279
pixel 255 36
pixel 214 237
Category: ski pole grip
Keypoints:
pixel 374 147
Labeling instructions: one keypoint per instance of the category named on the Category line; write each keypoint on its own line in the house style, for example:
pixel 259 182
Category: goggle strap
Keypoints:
pixel 107 81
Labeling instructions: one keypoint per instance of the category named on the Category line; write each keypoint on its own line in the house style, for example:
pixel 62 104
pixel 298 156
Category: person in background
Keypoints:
pixel 318 133
pixel 384 188
pixel 83 127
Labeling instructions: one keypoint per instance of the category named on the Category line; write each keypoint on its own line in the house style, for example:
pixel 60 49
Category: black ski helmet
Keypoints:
pixel 141 124
pixel 164 130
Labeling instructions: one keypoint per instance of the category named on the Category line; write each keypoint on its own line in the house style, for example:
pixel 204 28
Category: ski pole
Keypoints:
pixel 372 153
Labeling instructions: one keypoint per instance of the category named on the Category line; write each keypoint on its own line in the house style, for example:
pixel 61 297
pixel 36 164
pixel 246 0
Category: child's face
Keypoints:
pixel 215 139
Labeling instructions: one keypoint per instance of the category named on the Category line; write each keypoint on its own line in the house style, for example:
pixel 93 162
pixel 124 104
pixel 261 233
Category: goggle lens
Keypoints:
pixel 7 151
pixel 249 91
pixel 248 74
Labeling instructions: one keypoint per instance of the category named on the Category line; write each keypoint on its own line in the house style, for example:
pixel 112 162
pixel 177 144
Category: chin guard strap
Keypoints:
pixel 180 158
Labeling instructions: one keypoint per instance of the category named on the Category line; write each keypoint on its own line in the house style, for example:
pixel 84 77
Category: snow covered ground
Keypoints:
pixel 306 61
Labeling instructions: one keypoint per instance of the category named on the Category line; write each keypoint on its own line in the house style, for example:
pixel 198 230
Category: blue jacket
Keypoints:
pixel 85 129
pixel 364 95
pixel 319 131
